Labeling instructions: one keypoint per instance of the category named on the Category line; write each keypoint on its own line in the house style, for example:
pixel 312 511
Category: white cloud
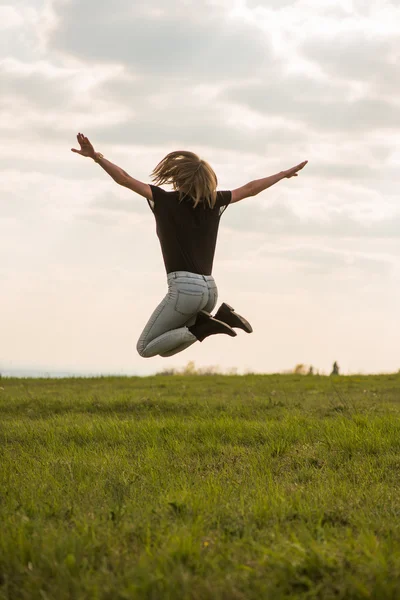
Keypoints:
pixel 10 17
pixel 178 42
pixel 369 59
pixel 325 262
pixel 324 107
pixel 279 218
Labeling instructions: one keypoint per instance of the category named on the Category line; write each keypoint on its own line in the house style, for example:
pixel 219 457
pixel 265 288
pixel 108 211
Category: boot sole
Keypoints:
pixel 226 327
pixel 210 326
pixel 237 320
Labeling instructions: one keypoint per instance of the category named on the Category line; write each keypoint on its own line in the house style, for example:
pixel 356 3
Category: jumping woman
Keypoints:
pixel 187 221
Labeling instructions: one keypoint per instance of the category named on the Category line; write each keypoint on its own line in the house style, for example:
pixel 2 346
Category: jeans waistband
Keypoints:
pixel 187 274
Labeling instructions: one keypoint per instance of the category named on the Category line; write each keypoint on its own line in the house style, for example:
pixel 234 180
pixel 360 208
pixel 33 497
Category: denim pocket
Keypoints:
pixel 189 303
pixel 213 298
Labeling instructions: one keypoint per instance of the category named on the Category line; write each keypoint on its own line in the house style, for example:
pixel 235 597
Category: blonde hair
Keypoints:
pixel 189 175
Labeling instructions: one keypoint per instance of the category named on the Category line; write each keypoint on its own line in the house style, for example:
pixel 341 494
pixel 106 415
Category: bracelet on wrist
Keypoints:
pixel 97 156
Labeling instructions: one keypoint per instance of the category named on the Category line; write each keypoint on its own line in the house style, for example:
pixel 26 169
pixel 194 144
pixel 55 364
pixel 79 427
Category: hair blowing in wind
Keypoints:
pixel 189 175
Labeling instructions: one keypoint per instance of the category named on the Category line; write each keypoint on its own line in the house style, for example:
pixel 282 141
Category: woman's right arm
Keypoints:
pixel 119 175
pixel 259 185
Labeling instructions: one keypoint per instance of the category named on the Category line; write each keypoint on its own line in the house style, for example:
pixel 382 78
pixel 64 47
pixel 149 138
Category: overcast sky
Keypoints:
pixel 254 87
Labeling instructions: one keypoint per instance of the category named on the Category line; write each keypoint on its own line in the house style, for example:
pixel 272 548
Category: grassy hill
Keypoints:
pixel 218 487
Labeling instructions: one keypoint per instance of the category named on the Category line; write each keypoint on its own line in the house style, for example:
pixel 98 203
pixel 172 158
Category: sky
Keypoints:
pixel 254 87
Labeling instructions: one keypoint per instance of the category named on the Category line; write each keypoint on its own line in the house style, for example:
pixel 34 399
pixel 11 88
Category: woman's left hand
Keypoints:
pixel 293 171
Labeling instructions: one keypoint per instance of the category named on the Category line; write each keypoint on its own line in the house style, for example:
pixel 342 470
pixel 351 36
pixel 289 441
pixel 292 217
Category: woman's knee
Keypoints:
pixel 141 349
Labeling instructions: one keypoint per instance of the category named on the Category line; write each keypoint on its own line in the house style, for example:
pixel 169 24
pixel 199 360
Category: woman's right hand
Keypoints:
pixel 293 171
pixel 86 147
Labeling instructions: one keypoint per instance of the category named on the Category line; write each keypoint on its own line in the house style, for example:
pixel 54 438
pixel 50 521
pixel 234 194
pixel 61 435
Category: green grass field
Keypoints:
pixel 200 488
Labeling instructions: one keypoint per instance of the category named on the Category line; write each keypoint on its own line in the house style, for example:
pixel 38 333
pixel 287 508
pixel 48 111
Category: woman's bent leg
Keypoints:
pixel 178 349
pixel 166 332
pixel 170 343
pixel 209 307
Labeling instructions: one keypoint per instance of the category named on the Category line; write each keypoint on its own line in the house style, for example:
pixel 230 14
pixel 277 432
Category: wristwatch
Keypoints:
pixel 98 156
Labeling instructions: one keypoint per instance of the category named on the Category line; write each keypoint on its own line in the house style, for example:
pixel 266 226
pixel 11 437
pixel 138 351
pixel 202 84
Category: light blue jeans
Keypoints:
pixel 166 332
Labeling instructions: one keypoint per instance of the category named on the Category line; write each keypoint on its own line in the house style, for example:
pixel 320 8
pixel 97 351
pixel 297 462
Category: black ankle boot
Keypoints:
pixel 227 314
pixel 206 325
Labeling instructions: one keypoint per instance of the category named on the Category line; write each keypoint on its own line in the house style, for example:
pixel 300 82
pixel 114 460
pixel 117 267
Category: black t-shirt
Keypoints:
pixel 188 235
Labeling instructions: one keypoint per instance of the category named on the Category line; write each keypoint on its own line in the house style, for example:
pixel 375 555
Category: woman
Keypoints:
pixel 187 221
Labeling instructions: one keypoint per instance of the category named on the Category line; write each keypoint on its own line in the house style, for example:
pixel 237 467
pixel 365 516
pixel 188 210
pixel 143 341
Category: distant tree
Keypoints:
pixel 335 369
pixel 210 370
pixel 232 371
pixel 300 369
pixel 167 372
pixel 190 368
pixel 311 370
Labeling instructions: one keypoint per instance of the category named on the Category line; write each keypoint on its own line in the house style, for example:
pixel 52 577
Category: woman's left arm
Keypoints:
pixel 259 185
